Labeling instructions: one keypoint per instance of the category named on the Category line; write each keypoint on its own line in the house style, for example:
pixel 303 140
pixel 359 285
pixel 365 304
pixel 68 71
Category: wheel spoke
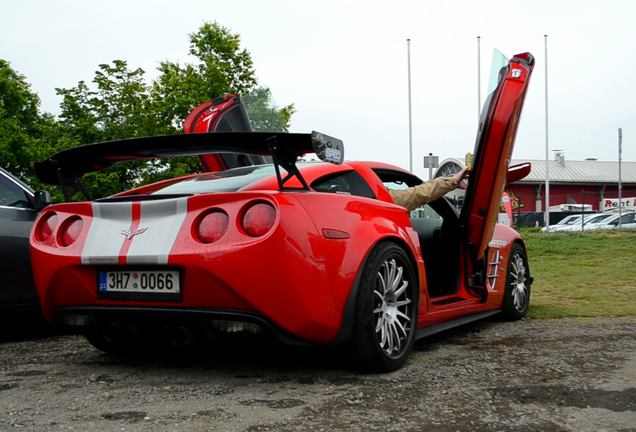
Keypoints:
pixel 403 315
pixel 380 322
pixel 397 278
pixel 403 302
pixel 391 338
pixel 397 339
pixel 381 283
pixel 399 327
pixel 520 297
pixel 401 290
pixel 390 266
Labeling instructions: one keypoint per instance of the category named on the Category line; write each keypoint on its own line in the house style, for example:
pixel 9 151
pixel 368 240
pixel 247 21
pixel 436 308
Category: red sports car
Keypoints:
pixel 310 253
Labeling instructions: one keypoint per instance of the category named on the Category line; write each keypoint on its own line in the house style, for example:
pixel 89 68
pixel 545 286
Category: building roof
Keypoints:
pixel 587 171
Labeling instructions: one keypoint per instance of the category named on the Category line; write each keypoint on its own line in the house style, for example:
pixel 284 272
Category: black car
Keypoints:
pixel 19 206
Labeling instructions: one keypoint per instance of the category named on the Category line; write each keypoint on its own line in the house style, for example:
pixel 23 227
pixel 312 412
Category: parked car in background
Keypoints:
pixel 569 223
pixel 627 221
pixel 588 221
pixel 563 222
pixel 19 207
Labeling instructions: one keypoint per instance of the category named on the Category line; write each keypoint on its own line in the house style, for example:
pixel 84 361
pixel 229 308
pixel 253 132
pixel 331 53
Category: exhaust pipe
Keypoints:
pixel 130 333
pixel 120 332
pixel 181 336
pixel 112 332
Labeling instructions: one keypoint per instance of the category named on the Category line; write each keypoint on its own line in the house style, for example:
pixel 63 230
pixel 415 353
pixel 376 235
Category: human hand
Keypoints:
pixel 460 176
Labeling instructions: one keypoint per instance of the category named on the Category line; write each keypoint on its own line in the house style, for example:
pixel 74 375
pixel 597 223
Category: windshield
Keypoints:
pixel 598 219
pixel 568 219
pixel 499 60
pixel 574 220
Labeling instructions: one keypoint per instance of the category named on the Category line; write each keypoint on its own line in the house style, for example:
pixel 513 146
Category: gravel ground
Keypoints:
pixel 531 375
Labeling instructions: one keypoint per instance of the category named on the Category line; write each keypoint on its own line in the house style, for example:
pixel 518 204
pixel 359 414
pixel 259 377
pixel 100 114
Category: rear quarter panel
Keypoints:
pixel 367 221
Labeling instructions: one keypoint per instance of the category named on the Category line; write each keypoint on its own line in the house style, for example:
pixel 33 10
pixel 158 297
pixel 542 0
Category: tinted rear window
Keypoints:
pixel 224 181
pixel 344 183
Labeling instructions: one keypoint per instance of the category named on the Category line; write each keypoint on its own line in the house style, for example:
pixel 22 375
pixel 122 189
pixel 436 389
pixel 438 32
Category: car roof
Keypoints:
pixel 266 179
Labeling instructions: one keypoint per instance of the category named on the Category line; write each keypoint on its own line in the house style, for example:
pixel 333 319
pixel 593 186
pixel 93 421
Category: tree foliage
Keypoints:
pixel 119 104
pixel 118 107
pixel 222 67
pixel 22 127
pixel 264 114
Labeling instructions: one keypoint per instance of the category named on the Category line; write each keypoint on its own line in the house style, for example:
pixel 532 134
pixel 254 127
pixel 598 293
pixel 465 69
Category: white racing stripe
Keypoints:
pixel 163 219
pixel 104 240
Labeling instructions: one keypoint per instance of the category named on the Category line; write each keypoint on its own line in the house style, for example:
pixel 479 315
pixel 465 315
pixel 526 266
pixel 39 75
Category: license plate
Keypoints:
pixel 140 285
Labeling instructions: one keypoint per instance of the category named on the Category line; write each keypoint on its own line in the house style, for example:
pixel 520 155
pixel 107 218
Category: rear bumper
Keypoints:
pixel 210 324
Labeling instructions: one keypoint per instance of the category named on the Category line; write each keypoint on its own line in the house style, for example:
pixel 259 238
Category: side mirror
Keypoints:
pixel 42 199
pixel 517 172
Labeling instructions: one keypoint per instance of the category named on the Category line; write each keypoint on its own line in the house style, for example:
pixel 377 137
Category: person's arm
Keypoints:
pixel 426 192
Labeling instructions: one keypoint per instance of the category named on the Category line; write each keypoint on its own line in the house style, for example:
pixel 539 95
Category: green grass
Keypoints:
pixel 582 275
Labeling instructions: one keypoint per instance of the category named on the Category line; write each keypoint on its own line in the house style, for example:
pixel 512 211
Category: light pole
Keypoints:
pixel 478 80
pixel 547 147
pixel 408 48
pixel 620 186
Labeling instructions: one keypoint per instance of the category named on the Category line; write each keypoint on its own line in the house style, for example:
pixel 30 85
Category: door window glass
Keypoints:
pixel 12 195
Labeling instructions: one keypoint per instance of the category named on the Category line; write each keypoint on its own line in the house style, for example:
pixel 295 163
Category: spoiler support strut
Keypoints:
pixel 71 185
pixel 286 159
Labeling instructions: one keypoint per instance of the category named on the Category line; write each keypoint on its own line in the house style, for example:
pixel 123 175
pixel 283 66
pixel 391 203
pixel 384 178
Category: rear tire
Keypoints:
pixel 385 319
pixel 517 293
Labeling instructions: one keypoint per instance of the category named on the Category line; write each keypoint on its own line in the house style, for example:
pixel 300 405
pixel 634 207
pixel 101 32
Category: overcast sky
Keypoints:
pixel 344 64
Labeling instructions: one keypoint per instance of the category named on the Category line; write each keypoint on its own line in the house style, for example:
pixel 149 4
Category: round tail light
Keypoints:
pixel 46 227
pixel 71 231
pixel 259 219
pixel 212 226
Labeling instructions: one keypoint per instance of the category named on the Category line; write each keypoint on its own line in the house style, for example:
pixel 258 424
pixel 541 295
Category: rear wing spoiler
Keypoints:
pixel 67 167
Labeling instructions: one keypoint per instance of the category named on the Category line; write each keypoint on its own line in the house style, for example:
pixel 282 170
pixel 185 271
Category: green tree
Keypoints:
pixel 222 67
pixel 118 104
pixel 123 106
pixel 23 129
pixel 264 114
pixel 117 108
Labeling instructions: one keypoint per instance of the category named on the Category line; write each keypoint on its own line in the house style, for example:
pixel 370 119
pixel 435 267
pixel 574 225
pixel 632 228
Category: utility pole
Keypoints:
pixel 547 147
pixel 620 185
pixel 408 47
pixel 478 80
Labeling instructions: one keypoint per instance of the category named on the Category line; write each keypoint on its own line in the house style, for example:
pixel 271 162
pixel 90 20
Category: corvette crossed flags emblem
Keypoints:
pixel 129 234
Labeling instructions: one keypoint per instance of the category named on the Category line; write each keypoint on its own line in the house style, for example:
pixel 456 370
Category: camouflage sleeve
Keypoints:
pixel 424 193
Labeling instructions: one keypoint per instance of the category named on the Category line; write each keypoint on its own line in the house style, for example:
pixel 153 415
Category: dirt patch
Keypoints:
pixel 550 375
